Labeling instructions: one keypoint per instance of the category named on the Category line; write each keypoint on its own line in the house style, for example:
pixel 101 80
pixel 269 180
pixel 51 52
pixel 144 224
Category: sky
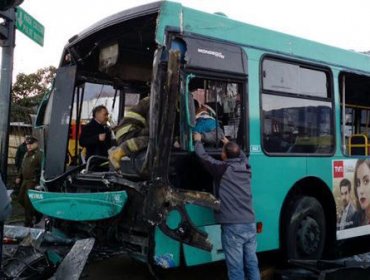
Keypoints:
pixel 340 23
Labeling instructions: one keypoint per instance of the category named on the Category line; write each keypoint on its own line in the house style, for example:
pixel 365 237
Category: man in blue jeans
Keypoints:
pixel 232 176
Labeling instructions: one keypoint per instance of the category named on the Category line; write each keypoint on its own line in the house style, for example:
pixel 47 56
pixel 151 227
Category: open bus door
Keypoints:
pixel 60 101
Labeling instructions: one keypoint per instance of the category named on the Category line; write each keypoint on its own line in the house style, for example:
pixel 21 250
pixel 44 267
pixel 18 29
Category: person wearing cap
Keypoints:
pixel 29 178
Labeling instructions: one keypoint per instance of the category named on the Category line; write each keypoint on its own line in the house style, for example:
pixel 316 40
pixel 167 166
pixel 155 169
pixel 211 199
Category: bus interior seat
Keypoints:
pixel 325 144
pixel 303 145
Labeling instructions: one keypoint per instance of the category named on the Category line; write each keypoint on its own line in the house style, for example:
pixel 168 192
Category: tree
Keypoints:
pixel 27 92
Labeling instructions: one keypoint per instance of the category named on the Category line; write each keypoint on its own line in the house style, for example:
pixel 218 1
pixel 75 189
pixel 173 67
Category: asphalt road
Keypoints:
pixel 126 268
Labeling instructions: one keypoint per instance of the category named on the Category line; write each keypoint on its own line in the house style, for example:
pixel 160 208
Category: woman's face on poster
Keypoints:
pixel 363 185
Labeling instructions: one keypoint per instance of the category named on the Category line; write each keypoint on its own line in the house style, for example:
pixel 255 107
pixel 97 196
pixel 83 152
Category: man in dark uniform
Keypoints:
pixel 21 151
pixel 132 133
pixel 29 177
pixel 96 136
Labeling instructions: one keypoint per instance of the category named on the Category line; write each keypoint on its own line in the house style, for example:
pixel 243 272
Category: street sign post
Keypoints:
pixel 30 26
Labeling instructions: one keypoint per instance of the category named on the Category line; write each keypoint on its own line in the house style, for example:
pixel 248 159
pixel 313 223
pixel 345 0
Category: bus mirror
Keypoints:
pixel 39 121
pixel 108 57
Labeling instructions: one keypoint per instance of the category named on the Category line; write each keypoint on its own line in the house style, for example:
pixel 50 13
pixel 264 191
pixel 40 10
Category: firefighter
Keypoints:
pixel 132 133
pixel 29 177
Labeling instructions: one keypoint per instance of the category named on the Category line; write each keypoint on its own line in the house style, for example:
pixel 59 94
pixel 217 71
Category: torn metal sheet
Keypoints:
pixel 73 264
pixel 25 258
pixel 19 233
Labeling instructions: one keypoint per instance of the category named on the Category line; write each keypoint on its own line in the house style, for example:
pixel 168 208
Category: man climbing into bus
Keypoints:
pixel 232 177
pixel 132 133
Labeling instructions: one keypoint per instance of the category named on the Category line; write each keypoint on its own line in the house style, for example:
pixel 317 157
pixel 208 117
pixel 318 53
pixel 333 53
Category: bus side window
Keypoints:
pixel 221 101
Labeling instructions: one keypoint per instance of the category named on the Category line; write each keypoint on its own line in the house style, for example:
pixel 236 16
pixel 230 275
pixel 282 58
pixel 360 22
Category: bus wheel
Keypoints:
pixel 306 232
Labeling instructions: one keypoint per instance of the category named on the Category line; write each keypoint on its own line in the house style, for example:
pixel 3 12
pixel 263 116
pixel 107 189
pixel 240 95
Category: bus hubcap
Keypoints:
pixel 308 236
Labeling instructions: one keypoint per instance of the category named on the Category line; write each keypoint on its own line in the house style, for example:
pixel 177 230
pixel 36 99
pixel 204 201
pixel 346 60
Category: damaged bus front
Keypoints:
pixel 160 205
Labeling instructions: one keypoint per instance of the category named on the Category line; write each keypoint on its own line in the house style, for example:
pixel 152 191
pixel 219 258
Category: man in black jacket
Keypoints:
pixel 96 136
pixel 232 177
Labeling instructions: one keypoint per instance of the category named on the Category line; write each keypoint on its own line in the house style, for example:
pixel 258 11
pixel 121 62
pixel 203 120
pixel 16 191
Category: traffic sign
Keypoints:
pixel 30 26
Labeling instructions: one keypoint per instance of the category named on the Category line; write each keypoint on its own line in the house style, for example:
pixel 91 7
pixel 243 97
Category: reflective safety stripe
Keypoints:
pixel 136 116
pixel 131 144
pixel 123 130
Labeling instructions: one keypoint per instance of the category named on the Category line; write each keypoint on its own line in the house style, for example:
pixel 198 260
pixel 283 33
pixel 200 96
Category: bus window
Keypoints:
pixel 86 98
pixel 355 113
pixel 218 100
pixel 297 110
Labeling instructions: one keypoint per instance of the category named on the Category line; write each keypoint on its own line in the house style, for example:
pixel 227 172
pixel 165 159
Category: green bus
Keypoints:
pixel 299 109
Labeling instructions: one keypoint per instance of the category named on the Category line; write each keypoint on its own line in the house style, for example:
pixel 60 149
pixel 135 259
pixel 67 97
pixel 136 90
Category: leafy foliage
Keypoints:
pixel 27 92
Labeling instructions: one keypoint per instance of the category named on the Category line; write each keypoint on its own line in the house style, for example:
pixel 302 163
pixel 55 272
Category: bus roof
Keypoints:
pixel 177 17
pixel 115 19
pixel 218 26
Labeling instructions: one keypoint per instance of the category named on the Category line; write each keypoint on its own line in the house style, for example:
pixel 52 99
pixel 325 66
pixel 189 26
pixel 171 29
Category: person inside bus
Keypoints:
pixel 362 192
pixel 132 133
pixel 206 124
pixel 96 136
pixel 345 218
pixel 232 177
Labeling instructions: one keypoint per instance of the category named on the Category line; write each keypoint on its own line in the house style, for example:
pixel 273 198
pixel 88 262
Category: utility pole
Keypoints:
pixel 7 42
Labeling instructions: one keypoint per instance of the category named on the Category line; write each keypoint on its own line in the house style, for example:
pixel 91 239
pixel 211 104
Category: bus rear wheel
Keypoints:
pixel 306 231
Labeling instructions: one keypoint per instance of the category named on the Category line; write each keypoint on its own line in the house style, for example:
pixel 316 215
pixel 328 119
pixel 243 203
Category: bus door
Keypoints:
pixel 355 114
pixel 213 80
pixel 56 121
pixel 350 173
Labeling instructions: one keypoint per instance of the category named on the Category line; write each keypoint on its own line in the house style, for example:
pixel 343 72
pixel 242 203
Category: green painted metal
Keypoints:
pixel 173 219
pixel 187 94
pixel 166 250
pixel 273 177
pixel 226 29
pixel 199 215
pixel 195 256
pixel 54 257
pixel 78 206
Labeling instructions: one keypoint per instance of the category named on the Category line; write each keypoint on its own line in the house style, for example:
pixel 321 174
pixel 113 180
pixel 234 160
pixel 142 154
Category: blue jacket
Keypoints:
pixel 204 123
pixel 232 179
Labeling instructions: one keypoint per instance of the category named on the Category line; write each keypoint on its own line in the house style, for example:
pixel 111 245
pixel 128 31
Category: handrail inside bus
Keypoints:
pixel 188 78
pixel 357 142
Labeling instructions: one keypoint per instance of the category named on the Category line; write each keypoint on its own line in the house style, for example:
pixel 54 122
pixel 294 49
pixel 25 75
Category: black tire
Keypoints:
pixel 305 232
